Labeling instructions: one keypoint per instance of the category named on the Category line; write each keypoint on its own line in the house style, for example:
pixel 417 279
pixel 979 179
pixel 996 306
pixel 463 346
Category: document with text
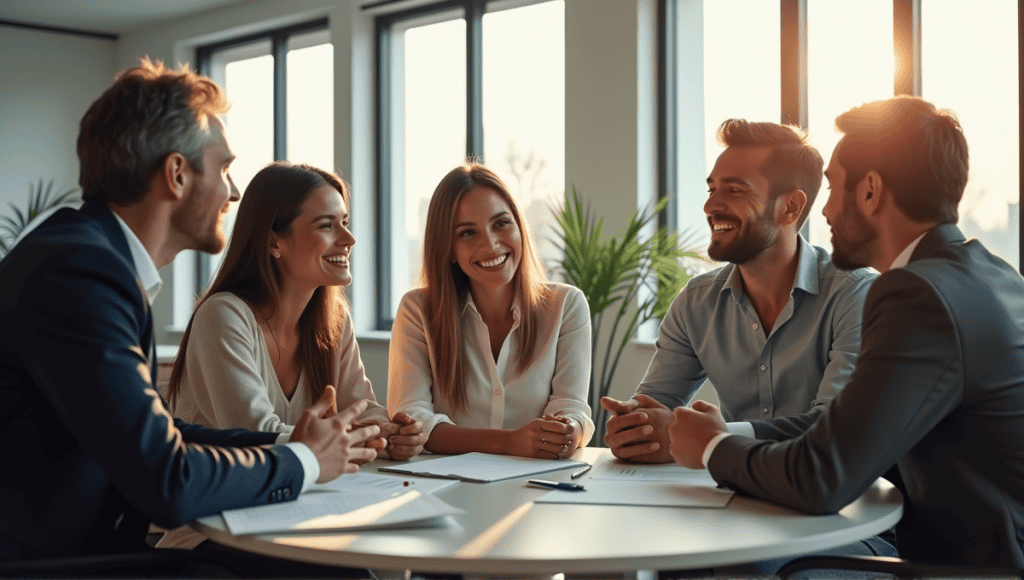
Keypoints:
pixel 661 494
pixel 618 470
pixel 482 467
pixel 359 502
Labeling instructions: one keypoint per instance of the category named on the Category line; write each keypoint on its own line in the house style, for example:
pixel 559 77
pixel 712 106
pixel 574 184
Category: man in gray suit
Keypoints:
pixel 939 385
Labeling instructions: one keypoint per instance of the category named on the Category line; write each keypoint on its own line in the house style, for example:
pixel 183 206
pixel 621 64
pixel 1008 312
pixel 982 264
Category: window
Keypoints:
pixel 721 56
pixel 281 89
pixel 459 79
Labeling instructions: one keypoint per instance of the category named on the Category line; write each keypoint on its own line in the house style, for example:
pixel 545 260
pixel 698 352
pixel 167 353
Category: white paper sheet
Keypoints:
pixel 482 467
pixel 341 511
pixel 359 481
pixel 619 470
pixel 642 494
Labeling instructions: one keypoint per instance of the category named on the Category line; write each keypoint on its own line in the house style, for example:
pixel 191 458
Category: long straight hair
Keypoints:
pixel 271 203
pixel 447 285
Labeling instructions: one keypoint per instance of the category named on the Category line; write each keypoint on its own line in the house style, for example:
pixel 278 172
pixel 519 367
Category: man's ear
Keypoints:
pixel 177 174
pixel 870 192
pixel 789 206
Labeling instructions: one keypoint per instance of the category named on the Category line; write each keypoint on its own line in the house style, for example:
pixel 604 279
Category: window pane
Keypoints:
pixel 979 81
pixel 310 100
pixel 727 67
pixel 248 80
pixel 524 111
pixel 850 61
pixel 428 134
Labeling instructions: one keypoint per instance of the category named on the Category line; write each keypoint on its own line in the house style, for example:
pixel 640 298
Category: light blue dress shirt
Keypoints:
pixel 711 332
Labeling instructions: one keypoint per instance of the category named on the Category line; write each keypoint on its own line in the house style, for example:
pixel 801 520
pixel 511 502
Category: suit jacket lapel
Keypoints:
pixel 115 235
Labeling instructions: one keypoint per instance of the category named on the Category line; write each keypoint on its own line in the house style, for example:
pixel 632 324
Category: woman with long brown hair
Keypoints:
pixel 273 330
pixel 488 355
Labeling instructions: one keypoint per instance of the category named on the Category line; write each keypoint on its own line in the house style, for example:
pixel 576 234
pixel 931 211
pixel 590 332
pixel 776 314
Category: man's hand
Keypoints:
pixel 405 437
pixel 691 432
pixel 330 435
pixel 638 430
pixel 547 438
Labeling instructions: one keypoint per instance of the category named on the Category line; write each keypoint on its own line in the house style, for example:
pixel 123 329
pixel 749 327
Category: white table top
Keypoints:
pixel 504 533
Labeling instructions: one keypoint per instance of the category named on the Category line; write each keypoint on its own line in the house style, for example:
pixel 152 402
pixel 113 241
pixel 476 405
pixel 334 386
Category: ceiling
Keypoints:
pixel 112 16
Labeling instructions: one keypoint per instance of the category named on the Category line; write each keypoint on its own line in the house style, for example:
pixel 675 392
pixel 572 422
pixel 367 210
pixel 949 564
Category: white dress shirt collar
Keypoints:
pixel 904 258
pixel 516 307
pixel 144 265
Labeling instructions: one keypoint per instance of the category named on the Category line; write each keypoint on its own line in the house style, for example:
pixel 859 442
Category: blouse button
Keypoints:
pixel 764 367
pixel 755 326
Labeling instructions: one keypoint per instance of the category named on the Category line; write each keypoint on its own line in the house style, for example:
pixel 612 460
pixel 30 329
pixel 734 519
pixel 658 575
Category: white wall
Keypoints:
pixel 47 82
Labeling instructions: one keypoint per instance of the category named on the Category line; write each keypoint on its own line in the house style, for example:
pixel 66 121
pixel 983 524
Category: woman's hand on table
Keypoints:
pixel 339 443
pixel 405 437
pixel 550 437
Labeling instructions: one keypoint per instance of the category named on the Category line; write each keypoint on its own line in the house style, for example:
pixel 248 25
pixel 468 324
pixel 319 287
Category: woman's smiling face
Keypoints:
pixel 487 242
pixel 317 247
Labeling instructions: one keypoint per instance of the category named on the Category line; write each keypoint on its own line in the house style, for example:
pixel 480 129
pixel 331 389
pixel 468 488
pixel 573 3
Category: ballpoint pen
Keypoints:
pixel 581 472
pixel 556 485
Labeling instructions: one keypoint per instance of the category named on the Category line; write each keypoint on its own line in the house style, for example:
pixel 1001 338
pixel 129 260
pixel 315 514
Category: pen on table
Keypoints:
pixel 564 486
pixel 581 472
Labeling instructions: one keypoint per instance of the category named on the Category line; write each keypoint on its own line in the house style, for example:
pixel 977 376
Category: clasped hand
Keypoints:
pixel 550 437
pixel 638 429
pixel 404 436
pixel 340 444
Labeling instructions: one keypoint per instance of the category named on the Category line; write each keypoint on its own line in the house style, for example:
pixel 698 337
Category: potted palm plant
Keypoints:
pixel 41 198
pixel 627 280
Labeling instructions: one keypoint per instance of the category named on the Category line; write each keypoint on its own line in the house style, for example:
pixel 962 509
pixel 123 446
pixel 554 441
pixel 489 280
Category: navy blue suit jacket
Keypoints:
pixel 938 391
pixel 91 454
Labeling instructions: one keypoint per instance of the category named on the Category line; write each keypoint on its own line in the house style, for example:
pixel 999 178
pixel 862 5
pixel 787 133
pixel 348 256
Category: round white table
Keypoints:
pixel 503 533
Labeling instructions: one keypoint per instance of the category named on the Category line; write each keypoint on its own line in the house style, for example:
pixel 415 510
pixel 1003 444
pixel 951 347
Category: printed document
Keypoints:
pixel 482 467
pixel 359 501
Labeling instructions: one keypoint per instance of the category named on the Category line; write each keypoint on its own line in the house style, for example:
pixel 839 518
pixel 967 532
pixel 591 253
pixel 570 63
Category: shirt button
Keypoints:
pixel 497 391
pixel 764 367
pixel 755 326
pixel 765 410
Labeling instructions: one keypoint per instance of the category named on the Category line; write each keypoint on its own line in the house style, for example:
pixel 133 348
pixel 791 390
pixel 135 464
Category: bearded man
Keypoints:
pixel 777 330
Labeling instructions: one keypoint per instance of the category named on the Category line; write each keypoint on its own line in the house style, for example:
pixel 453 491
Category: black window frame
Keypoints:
pixel 473 12
pixel 794 84
pixel 278 38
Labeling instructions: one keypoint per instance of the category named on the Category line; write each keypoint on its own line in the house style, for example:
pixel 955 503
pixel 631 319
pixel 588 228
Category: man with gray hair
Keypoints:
pixel 92 453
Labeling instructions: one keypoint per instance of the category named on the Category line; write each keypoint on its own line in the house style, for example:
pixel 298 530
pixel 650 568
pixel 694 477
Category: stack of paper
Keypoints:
pixel 360 501
pixel 482 467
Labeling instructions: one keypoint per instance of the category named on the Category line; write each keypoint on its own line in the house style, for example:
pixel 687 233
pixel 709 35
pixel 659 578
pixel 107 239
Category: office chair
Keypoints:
pixel 903 569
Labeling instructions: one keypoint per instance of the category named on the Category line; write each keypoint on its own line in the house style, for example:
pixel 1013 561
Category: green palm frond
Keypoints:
pixel 630 279
pixel 41 198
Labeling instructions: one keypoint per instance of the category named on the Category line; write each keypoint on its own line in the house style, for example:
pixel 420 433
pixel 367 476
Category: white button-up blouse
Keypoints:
pixel 556 382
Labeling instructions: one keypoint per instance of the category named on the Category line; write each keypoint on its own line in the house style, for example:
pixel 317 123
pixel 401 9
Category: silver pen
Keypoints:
pixel 581 472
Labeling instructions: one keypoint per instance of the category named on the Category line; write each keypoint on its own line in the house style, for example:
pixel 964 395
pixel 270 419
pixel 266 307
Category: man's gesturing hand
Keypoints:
pixel 639 429
pixel 329 435
pixel 691 432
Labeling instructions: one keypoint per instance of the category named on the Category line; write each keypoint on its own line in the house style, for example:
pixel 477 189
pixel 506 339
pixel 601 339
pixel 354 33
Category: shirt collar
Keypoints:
pixel 144 265
pixel 904 258
pixel 516 306
pixel 806 277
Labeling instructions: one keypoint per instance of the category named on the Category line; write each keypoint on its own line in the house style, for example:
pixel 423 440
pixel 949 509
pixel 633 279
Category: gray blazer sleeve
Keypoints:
pixel 908 377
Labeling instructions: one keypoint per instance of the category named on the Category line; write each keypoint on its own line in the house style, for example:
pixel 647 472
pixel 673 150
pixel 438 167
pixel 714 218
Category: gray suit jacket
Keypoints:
pixel 939 391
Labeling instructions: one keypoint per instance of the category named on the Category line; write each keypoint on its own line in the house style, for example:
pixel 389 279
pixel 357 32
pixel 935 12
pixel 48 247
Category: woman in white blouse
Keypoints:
pixel 488 355
pixel 273 330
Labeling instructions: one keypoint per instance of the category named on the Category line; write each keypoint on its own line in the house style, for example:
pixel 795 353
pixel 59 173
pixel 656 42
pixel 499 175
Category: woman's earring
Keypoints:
pixel 276 255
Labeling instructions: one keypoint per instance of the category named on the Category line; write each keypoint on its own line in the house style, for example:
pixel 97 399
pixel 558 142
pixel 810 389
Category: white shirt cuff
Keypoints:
pixel 310 464
pixel 711 447
pixel 283 438
pixel 745 428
